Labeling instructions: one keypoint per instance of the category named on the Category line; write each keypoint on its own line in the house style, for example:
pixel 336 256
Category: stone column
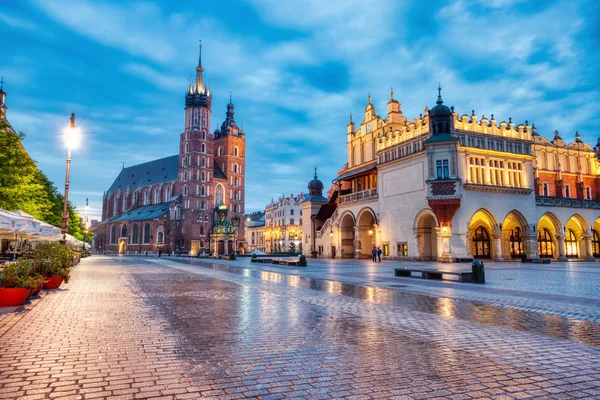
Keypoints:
pixel 561 248
pixel 531 248
pixel 587 244
pixel 497 247
pixel 356 241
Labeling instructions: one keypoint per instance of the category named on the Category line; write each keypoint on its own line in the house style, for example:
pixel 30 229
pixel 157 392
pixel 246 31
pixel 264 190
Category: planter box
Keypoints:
pixel 13 296
pixel 53 282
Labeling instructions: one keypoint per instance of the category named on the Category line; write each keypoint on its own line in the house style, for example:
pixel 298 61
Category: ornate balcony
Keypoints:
pixel 358 196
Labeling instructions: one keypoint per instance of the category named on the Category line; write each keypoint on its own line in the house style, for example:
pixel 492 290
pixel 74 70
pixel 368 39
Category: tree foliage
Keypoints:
pixel 24 187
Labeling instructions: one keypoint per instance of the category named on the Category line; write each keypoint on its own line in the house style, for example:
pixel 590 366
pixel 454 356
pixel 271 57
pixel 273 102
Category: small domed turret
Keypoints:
pixel 315 187
pixel 440 116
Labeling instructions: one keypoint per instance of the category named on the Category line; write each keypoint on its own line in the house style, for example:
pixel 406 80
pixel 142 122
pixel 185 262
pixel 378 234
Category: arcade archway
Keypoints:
pixel 427 238
pixel 366 232
pixel 482 227
pixel 347 223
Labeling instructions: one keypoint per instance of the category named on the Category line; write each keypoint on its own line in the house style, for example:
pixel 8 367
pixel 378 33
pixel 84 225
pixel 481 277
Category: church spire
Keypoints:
pixel 198 93
pixel 2 102
pixel 199 85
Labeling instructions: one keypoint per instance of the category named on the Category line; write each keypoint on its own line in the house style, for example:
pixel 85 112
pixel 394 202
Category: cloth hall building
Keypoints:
pixel 190 202
pixel 446 186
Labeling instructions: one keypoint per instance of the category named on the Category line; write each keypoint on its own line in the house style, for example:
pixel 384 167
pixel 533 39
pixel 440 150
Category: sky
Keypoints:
pixel 296 70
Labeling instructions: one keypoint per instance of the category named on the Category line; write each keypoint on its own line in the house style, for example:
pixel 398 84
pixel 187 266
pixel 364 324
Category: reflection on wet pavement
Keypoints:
pixel 550 325
pixel 260 334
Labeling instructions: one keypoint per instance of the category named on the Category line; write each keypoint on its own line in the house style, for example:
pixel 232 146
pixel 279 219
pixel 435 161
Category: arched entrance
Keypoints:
pixel 347 235
pixel 578 238
pixel 485 236
pixel 548 230
pixel 545 244
pixel 221 247
pixel 230 246
pixel 427 238
pixel 596 238
pixel 122 247
pixel 481 243
pixel 514 227
pixel 366 232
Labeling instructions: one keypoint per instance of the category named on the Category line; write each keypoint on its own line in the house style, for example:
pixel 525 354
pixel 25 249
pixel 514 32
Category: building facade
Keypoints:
pixel 255 232
pixel 191 202
pixel 446 186
pixel 283 224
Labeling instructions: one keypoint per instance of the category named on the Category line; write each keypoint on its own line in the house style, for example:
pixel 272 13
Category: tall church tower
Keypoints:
pixel 230 157
pixel 196 160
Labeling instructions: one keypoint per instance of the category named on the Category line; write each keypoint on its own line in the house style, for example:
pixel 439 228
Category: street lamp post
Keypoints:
pixel 85 230
pixel 70 137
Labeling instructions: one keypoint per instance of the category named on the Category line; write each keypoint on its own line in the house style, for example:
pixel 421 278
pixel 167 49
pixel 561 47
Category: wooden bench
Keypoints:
pixel 539 260
pixel 291 262
pixel 261 260
pixel 433 274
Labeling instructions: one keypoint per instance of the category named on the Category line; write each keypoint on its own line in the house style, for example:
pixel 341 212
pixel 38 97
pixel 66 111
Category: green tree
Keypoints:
pixel 24 187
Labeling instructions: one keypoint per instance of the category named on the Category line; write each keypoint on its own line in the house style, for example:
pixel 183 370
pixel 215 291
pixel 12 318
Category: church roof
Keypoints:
pixel 156 171
pixel 218 172
pixel 142 213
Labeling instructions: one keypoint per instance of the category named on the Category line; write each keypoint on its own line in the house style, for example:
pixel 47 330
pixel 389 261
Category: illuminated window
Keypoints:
pixel 545 244
pixel 516 242
pixel 481 243
pixel 571 243
pixel 596 244
pixel 403 249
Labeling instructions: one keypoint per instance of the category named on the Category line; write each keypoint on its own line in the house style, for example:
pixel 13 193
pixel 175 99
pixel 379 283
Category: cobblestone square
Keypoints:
pixel 175 328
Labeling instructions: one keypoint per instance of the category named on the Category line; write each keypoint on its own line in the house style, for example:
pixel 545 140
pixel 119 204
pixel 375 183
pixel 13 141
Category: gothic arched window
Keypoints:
pixel 168 195
pixel 203 162
pixel 203 176
pixel 124 230
pixel 196 117
pixel 203 191
pixel 203 148
pixel 113 234
pixel 187 147
pixel 235 151
pixel 219 195
pixel 147 233
pixel 134 234
pixel 203 135
pixel 160 238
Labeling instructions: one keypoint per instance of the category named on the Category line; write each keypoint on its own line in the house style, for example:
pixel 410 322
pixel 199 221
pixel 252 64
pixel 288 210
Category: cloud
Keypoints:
pixel 133 29
pixel 154 77
pixel 16 22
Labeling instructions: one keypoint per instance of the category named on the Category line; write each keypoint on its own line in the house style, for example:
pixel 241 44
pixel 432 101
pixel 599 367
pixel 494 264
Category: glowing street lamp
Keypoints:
pixel 71 140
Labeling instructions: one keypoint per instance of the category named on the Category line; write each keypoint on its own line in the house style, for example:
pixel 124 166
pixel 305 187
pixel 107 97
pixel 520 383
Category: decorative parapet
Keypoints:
pixel 497 189
pixel 563 202
pixel 491 127
pixel 358 196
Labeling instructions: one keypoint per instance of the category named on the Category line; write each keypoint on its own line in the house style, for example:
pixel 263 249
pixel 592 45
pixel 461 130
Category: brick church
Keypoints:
pixel 189 203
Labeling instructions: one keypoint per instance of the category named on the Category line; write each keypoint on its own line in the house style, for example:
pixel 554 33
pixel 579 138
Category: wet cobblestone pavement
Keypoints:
pixel 128 328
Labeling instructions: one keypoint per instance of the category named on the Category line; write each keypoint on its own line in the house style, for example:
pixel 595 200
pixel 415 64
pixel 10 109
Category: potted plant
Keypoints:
pixel 53 261
pixel 16 284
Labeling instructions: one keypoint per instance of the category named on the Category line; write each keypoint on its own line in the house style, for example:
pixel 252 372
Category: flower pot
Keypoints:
pixel 53 282
pixel 13 296
pixel 37 289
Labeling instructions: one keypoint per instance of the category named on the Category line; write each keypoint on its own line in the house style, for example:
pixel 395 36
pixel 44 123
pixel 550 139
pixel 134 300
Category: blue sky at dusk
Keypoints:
pixel 296 70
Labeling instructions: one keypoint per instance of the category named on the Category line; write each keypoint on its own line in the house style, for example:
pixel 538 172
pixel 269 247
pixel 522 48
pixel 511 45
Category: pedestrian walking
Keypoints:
pixel 379 253
pixel 159 253
pixel 374 254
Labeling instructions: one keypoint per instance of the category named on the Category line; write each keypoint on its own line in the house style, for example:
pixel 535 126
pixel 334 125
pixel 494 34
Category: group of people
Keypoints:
pixel 376 253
